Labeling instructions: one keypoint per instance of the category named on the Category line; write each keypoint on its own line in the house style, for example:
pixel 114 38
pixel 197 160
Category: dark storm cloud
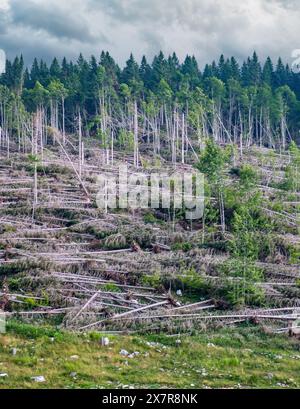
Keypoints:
pixel 205 28
pixel 53 20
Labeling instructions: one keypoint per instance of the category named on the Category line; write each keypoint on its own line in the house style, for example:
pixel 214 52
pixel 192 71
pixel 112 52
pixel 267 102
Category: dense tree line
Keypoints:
pixel 165 103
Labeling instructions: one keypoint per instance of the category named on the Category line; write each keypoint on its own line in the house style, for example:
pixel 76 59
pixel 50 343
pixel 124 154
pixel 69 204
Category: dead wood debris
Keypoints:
pixel 79 266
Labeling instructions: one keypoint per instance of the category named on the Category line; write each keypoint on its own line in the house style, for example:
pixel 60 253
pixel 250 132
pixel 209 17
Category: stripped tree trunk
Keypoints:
pixel 136 142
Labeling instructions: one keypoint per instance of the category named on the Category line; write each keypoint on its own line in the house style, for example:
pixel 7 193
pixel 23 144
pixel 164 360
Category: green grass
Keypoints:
pixel 231 358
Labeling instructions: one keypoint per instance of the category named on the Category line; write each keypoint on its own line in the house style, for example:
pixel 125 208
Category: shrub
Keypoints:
pixel 240 283
pixel 186 246
pixel 248 176
pixel 212 160
pixel 153 280
pixel 149 218
pixel 111 287
pixel 115 242
pixel 191 282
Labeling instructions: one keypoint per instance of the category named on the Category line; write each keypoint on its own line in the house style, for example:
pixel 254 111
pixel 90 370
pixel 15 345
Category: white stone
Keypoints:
pixel 104 341
pixel 38 379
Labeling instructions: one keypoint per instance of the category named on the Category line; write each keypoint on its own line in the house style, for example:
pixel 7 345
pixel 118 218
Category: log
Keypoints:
pixel 117 317
pixel 86 305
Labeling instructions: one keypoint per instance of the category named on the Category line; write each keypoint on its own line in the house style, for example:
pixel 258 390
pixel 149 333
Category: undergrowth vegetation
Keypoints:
pixel 242 358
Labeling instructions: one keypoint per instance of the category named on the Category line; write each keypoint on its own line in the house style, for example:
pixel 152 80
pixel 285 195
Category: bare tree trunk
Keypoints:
pixel 63 121
pixel 80 145
pixel 112 147
pixel 35 136
pixel 222 210
pixel 175 127
pixel 183 140
pixel 241 132
pixel 136 141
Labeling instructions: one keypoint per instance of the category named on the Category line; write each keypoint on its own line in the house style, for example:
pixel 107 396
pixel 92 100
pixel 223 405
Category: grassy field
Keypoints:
pixel 239 358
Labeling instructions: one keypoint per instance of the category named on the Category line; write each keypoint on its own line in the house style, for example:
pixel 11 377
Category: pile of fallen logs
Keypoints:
pixel 53 234
pixel 141 308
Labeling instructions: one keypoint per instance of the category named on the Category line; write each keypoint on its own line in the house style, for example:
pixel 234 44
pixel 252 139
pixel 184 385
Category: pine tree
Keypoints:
pixel 44 74
pixel 268 72
pixel 234 69
pixel 55 70
pixel 191 70
pixel 131 71
pixel 280 76
pixel 145 72
pixel 254 71
pixel 159 69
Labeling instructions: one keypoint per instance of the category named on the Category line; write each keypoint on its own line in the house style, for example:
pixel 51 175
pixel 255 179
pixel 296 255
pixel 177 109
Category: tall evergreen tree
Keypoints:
pixel 55 70
pixel 268 72
pixel 280 76
pixel 131 71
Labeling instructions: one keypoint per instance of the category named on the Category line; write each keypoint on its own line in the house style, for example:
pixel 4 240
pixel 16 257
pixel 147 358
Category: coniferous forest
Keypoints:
pixel 253 103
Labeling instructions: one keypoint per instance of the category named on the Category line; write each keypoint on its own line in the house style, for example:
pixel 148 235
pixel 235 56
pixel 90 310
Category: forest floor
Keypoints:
pixel 243 357
pixel 68 265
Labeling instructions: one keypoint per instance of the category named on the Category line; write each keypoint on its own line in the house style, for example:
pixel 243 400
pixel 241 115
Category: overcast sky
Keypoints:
pixel 205 28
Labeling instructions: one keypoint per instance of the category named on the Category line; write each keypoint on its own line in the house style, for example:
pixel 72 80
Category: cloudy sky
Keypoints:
pixel 205 28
